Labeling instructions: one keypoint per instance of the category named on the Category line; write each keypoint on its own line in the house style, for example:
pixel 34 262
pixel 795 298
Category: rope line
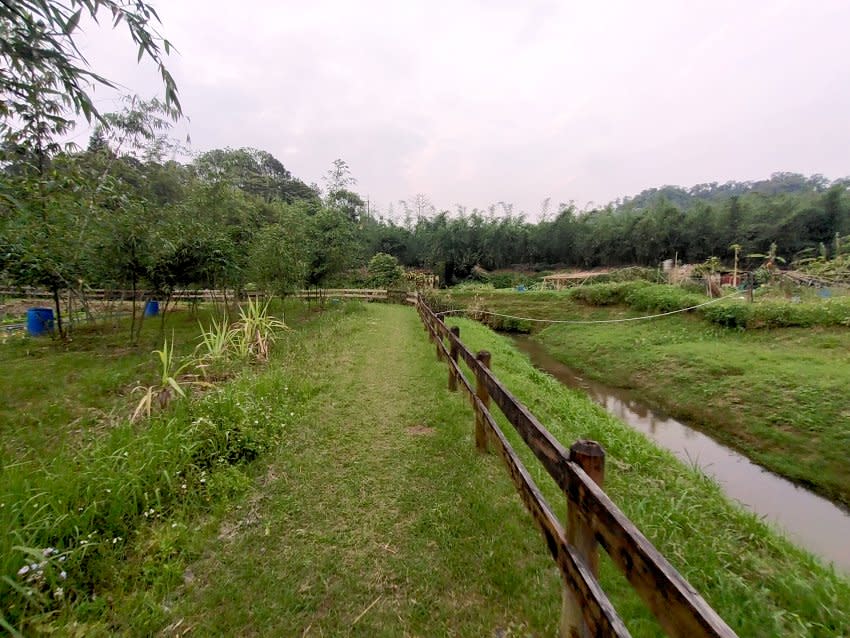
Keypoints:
pixel 589 321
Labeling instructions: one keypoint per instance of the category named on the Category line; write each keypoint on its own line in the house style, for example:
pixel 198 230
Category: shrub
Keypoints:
pixel 728 315
pixel 606 294
pixel 384 271
pixel 662 298
pixel 779 314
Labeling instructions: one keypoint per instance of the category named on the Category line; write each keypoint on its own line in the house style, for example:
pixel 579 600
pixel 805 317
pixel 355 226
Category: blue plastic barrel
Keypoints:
pixel 151 308
pixel 39 321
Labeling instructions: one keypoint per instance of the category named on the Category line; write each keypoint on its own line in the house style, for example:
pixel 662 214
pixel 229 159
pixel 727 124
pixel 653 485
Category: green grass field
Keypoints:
pixel 336 491
pixel 776 395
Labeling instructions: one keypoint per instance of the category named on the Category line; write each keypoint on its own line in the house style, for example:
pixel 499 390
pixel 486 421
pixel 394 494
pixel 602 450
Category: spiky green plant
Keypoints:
pixel 216 340
pixel 255 331
pixel 168 387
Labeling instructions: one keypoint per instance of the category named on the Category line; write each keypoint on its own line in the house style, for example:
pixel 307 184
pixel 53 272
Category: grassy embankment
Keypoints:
pixel 778 395
pixel 366 510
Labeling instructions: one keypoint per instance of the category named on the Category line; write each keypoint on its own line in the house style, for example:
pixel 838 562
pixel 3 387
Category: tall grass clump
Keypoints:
pixel 255 331
pixel 168 386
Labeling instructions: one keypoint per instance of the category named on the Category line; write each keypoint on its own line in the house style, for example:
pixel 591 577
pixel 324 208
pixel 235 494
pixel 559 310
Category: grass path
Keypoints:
pixel 377 518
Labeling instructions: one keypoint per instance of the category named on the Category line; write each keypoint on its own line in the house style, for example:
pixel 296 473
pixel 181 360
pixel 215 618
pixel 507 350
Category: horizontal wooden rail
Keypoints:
pixel 118 294
pixel 368 294
pixel 679 608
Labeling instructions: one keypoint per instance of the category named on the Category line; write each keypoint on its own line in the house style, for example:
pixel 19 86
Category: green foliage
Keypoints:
pixel 255 331
pixel 779 314
pixel 646 297
pixel 43 73
pixel 728 315
pixel 253 171
pixel 167 388
pixel 384 271
pixel 279 255
pixel 603 294
pixel 662 298
pixel 216 341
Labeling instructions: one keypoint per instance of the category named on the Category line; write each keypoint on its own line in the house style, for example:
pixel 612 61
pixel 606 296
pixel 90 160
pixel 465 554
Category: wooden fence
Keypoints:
pixel 363 294
pixel 109 294
pixel 592 517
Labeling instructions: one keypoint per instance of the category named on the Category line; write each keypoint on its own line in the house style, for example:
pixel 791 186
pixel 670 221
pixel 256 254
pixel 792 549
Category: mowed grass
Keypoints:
pixel 779 396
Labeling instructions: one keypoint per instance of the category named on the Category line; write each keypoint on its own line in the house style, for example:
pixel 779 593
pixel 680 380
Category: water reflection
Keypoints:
pixel 808 519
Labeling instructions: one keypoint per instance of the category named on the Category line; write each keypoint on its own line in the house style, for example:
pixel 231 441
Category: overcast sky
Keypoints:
pixel 476 102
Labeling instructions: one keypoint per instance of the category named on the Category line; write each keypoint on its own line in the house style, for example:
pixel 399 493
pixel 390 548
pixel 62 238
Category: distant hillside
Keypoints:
pixel 684 198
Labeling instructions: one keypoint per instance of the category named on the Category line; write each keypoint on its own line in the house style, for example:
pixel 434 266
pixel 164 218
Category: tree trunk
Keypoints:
pixel 163 310
pixel 133 314
pixel 58 312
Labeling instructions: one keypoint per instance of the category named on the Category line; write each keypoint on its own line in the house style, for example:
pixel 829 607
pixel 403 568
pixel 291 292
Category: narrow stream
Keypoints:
pixel 809 520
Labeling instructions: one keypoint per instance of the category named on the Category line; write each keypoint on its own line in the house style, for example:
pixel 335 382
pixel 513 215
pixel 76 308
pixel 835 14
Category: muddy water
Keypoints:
pixel 807 519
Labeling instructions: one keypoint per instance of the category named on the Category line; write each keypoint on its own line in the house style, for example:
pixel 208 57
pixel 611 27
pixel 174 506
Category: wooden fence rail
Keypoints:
pixel 363 294
pixel 319 294
pixel 593 519
pixel 117 294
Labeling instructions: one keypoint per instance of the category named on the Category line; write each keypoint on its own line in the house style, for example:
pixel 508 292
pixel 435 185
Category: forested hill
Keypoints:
pixel 777 184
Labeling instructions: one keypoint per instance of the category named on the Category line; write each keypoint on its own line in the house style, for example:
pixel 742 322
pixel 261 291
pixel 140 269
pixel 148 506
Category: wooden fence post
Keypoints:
pixel 590 456
pixel 455 330
pixel 483 358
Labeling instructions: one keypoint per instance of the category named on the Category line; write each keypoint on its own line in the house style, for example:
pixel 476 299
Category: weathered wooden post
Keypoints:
pixel 590 456
pixel 455 330
pixel 483 358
